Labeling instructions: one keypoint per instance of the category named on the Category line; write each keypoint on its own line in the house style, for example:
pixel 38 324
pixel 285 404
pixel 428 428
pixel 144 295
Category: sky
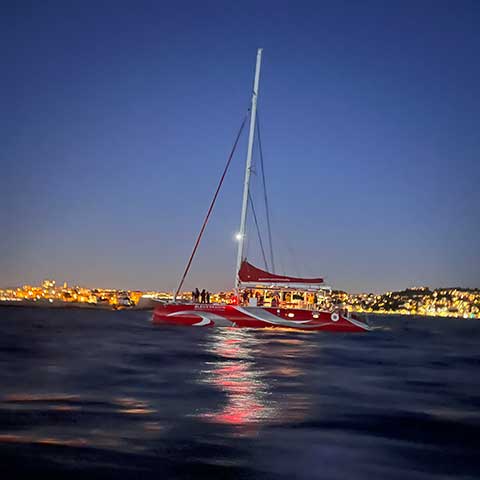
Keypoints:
pixel 117 118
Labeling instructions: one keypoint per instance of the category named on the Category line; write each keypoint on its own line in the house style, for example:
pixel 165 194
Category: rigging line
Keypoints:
pixel 258 230
pixel 187 268
pixel 265 196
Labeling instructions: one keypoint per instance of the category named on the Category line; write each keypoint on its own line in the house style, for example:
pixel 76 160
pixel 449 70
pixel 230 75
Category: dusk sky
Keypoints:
pixel 117 119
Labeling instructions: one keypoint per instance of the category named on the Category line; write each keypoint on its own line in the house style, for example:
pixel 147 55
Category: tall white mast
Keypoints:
pixel 243 218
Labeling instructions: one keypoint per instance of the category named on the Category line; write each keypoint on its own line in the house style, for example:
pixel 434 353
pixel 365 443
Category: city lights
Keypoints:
pixel 444 302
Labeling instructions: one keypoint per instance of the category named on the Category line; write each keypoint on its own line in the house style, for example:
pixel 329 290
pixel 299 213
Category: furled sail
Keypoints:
pixel 251 274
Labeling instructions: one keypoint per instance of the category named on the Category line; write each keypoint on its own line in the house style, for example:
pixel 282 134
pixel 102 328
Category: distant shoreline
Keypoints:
pixel 412 315
pixel 68 305
pixel 91 306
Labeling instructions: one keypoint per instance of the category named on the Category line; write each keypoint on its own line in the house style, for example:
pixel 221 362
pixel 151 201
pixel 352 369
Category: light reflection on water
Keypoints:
pixel 240 374
pixel 67 428
pixel 248 399
pixel 132 406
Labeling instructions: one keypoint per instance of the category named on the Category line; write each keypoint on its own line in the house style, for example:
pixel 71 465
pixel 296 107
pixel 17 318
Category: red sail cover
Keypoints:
pixel 249 273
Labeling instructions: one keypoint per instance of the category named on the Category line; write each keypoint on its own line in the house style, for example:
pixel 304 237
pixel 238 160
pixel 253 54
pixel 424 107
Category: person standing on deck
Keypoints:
pixel 203 295
pixel 208 297
pixel 275 301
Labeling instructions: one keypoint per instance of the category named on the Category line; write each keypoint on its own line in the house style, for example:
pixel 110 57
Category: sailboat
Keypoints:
pixel 248 310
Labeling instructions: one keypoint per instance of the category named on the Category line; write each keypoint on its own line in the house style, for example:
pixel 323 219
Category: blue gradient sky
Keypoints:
pixel 117 119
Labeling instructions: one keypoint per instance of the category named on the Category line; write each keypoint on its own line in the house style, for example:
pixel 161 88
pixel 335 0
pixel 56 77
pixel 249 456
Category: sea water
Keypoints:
pixel 103 394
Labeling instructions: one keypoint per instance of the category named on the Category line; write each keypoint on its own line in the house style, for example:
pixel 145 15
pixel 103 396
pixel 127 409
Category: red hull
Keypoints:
pixel 212 315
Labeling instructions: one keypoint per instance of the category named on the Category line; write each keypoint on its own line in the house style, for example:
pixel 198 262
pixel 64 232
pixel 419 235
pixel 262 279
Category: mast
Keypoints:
pixel 248 167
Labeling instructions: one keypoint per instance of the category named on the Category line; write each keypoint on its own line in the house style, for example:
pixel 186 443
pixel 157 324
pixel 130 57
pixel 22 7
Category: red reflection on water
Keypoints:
pixel 247 405
pixel 244 391
pixel 250 402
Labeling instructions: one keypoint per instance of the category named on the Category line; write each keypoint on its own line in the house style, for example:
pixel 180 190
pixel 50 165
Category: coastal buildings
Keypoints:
pixel 444 302
pixel 69 295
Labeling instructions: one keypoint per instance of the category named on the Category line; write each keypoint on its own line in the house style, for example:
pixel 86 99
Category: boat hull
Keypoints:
pixel 213 315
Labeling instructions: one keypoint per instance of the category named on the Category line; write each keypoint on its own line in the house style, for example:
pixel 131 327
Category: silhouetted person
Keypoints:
pixel 193 295
pixel 245 297
pixel 203 295
pixel 208 297
pixel 197 295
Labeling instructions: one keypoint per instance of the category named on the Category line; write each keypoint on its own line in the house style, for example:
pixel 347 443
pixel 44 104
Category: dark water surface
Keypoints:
pixel 107 395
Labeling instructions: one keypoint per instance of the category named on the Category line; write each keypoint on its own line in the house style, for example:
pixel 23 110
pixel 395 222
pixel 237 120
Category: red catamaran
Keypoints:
pixel 248 311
